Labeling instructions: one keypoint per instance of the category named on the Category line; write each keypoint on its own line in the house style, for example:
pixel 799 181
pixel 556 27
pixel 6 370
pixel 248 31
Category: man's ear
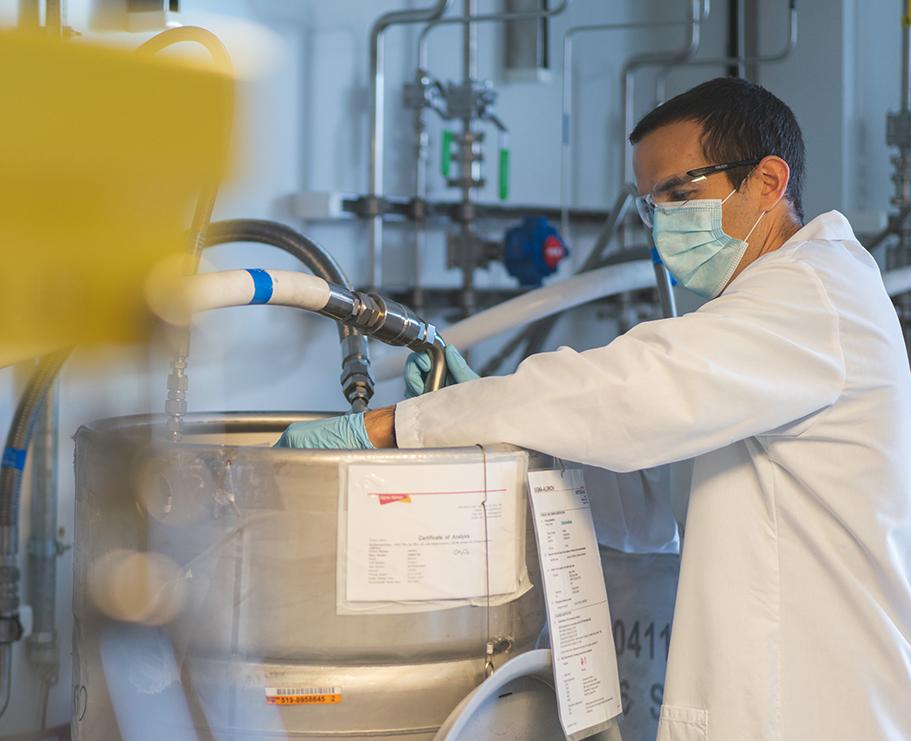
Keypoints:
pixel 773 175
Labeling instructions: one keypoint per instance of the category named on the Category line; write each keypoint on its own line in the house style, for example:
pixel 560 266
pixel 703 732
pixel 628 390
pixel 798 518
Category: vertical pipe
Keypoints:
pixel 906 55
pixel 567 78
pixel 467 158
pixel 377 110
pixel 469 43
pixel 29 14
pixel 55 15
pixel 43 550
pixel 376 105
pixel 900 254
pixel 42 543
pixel 697 12
pixel 422 144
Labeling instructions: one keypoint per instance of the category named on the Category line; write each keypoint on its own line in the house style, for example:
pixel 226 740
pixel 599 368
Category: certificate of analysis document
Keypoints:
pixel 431 531
pixel 585 661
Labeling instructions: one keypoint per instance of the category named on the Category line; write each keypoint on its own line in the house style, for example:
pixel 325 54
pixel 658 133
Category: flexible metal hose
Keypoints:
pixel 357 383
pixel 17 443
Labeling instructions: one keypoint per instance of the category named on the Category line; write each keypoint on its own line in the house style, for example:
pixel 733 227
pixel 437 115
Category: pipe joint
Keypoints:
pixel 10 629
pixel 357 382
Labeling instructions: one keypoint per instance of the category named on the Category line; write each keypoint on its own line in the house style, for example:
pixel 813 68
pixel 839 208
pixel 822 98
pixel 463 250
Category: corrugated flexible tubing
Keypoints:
pixel 17 443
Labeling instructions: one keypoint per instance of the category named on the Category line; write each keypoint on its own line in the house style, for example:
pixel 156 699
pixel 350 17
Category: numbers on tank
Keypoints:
pixel 644 643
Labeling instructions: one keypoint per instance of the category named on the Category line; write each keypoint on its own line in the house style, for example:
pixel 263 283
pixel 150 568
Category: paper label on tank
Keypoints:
pixel 585 662
pixel 303 695
pixel 431 531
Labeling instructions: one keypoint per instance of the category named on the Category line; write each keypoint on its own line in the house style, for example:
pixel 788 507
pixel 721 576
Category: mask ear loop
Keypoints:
pixel 745 240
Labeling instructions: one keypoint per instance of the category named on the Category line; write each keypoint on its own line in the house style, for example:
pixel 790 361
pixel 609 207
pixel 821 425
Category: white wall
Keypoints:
pixel 304 123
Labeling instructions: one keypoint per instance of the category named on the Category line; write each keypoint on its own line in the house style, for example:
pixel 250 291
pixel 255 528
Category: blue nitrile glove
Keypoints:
pixel 418 366
pixel 345 432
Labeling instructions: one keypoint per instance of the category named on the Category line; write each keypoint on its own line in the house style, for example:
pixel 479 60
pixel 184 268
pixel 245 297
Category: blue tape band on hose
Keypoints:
pixel 262 286
pixel 13 458
pixel 656 258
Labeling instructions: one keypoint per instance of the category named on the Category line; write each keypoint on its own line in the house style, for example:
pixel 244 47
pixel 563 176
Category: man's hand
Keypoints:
pixel 418 366
pixel 359 431
pixel 346 432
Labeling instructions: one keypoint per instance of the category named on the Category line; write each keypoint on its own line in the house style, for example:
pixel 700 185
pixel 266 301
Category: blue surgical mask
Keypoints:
pixel 693 245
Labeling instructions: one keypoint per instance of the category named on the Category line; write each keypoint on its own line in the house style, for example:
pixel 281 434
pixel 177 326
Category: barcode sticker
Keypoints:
pixel 303 695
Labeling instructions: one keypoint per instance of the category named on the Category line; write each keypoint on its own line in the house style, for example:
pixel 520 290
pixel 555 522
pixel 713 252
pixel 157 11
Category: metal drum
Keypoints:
pixel 207 571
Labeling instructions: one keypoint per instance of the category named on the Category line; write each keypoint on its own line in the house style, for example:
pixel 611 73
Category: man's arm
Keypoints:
pixel 380 424
pixel 753 360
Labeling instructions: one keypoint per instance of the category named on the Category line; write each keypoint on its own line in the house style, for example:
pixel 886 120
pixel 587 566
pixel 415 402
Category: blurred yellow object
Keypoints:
pixel 103 156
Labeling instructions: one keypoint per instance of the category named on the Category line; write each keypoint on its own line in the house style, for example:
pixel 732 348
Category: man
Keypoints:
pixel 791 389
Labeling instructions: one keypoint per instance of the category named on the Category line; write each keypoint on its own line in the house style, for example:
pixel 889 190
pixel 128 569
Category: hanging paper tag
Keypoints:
pixel 585 661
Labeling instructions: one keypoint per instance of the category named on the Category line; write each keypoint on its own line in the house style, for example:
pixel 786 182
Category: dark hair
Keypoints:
pixel 740 121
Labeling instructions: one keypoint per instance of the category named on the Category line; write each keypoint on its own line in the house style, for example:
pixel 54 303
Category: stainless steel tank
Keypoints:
pixel 206 572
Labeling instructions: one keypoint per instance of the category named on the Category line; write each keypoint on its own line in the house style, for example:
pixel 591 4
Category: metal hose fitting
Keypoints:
pixel 390 322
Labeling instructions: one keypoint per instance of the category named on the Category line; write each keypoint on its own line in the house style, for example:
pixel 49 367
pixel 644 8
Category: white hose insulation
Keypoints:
pixel 242 287
pixel 898 281
pixel 537 663
pixel 538 304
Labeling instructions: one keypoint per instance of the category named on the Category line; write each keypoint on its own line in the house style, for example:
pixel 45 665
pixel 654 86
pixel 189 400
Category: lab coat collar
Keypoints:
pixel 830 226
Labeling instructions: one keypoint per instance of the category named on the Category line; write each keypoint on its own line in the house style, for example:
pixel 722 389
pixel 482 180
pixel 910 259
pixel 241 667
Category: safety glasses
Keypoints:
pixel 686 186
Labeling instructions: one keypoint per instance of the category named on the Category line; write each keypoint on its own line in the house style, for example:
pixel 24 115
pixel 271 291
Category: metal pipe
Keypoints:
pixel 740 36
pixel 421 158
pixel 789 46
pixel 469 20
pixel 567 101
pixel 29 14
pixel 467 157
pixel 55 16
pixel 6 676
pixel 375 174
pixel 698 12
pixel 469 41
pixel 43 547
pixel 14 456
pixel 906 56
pixel 403 208
pixel 519 15
pixel 357 383
pixel 469 140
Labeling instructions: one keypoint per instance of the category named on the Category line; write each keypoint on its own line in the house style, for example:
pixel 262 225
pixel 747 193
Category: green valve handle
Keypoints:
pixel 446 154
pixel 504 174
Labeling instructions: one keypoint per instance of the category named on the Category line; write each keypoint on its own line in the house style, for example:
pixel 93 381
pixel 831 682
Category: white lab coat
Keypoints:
pixel 793 614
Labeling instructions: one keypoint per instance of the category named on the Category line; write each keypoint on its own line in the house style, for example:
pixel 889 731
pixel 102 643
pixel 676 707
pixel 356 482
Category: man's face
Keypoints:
pixel 672 150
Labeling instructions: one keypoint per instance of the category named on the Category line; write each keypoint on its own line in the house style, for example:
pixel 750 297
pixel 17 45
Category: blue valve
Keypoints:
pixel 533 250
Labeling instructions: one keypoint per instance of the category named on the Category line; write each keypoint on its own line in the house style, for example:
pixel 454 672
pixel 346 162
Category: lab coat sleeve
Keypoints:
pixel 763 355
